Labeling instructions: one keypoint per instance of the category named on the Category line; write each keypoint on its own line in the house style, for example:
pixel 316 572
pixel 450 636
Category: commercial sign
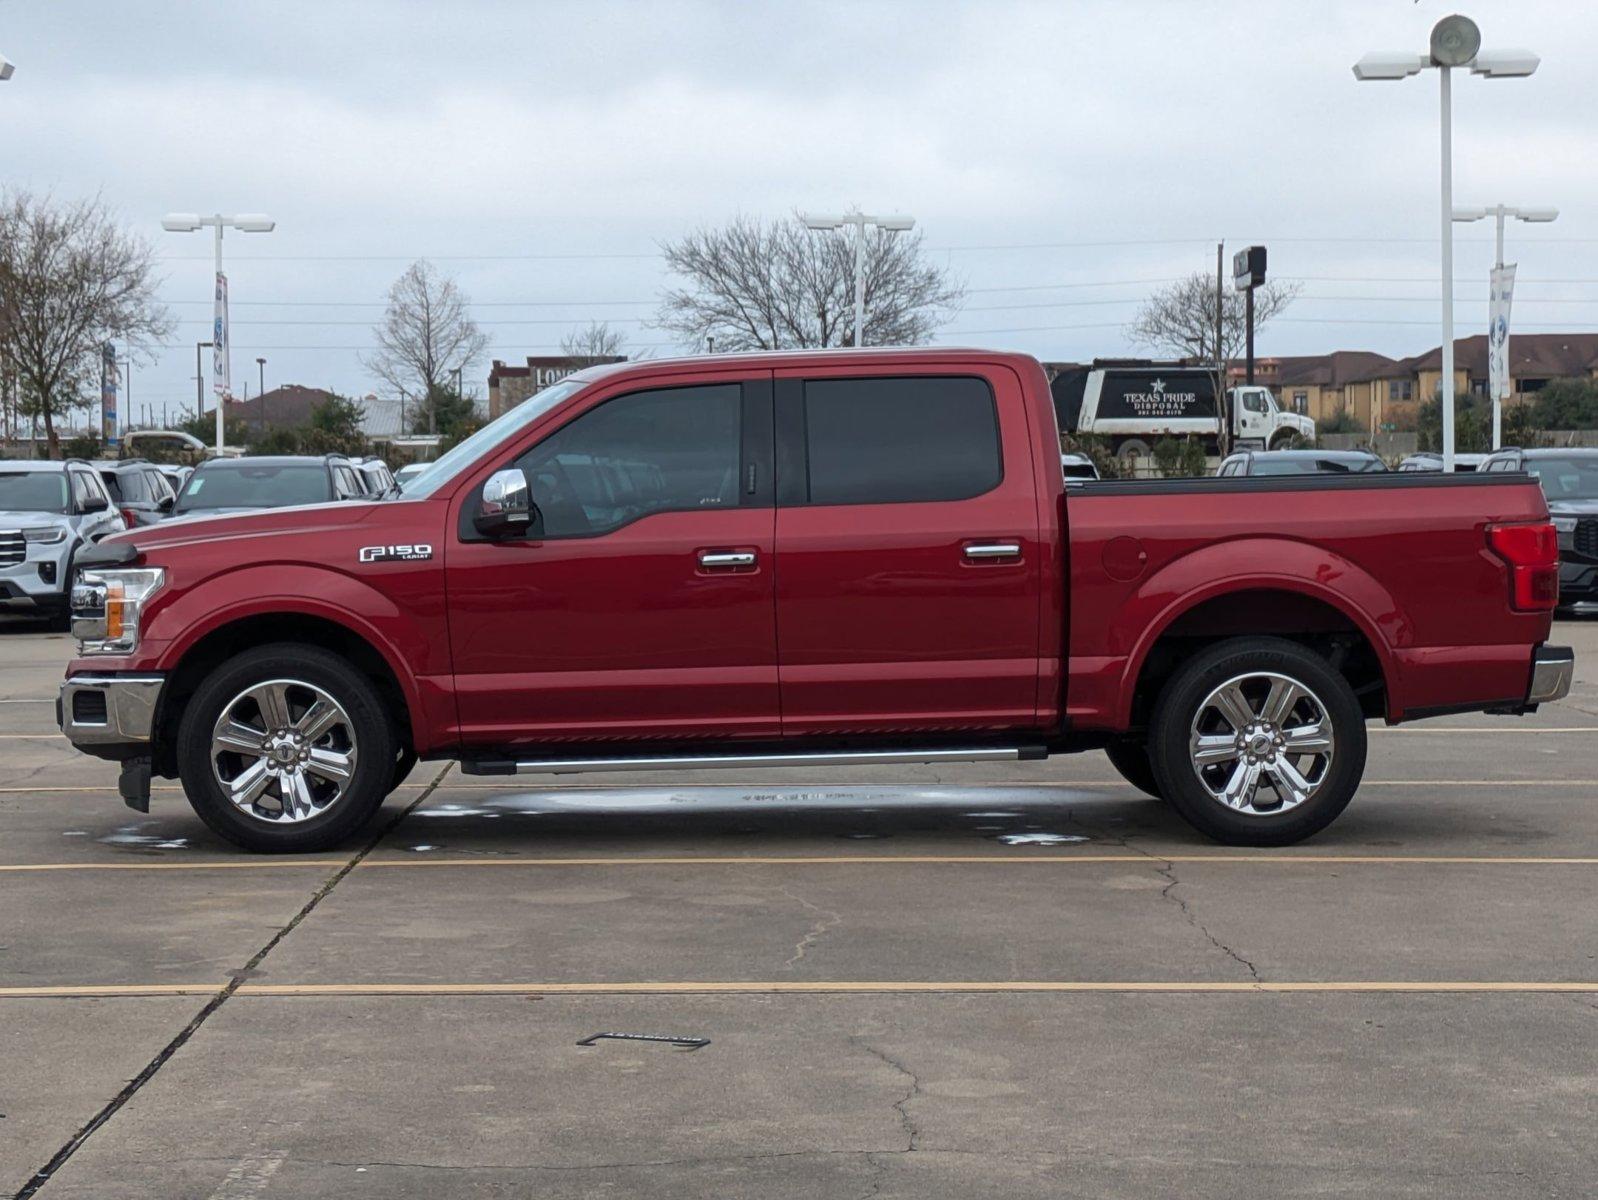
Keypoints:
pixel 1500 295
pixel 221 374
pixel 1140 395
pixel 108 395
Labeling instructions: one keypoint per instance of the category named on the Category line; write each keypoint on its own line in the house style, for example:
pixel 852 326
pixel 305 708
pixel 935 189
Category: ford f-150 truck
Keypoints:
pixel 806 558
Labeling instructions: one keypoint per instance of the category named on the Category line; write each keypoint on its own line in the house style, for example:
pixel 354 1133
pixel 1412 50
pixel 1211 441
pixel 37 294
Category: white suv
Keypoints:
pixel 48 511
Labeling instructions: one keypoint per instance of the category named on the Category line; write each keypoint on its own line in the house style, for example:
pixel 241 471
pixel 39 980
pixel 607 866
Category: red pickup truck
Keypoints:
pixel 806 558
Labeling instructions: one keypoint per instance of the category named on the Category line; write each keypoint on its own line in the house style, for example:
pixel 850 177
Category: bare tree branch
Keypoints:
pixel 71 279
pixel 773 286
pixel 1180 319
pixel 426 333
pixel 592 343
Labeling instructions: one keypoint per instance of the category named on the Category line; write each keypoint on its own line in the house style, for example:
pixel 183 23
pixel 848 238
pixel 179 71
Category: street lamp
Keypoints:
pixel 7 68
pixel 1455 42
pixel 1500 212
pixel 244 223
pixel 893 224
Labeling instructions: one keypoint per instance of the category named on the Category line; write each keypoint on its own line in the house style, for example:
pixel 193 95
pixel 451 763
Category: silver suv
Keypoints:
pixel 48 512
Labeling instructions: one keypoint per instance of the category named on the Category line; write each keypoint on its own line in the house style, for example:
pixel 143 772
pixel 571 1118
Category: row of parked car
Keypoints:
pixel 50 510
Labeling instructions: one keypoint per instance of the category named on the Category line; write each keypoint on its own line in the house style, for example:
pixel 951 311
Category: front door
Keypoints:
pixel 640 607
pixel 909 557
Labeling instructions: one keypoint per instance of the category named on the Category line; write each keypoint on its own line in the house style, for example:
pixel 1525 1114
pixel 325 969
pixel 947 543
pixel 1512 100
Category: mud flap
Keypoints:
pixel 134 783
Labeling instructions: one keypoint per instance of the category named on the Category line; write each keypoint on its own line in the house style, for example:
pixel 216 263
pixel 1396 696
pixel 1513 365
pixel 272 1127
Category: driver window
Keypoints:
pixel 1254 402
pixel 666 450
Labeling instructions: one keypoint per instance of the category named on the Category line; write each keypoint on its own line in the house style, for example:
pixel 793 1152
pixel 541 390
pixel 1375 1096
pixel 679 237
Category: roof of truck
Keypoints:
pixel 777 359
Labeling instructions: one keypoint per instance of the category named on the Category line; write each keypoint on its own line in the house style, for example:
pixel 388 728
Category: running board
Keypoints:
pixel 707 762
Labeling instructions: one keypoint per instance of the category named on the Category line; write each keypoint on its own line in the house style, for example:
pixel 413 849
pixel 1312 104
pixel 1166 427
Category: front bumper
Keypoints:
pixel 1552 669
pixel 100 712
pixel 1578 583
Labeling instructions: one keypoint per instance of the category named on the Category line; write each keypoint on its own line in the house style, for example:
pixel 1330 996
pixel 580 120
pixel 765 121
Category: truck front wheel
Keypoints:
pixel 286 748
pixel 1258 742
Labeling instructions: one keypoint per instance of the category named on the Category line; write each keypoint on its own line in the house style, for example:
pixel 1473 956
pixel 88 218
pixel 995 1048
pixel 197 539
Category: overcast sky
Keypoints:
pixel 1060 156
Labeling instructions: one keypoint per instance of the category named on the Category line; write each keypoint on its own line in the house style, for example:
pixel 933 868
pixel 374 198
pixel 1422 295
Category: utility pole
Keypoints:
pixel 1220 308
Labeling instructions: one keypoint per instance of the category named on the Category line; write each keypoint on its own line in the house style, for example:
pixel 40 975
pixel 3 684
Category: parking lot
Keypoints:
pixel 901 996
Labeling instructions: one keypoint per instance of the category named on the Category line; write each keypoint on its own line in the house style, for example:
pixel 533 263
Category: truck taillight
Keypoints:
pixel 1532 553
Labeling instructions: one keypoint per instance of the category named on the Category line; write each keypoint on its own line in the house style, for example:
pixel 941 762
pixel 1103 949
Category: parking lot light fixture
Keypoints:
pixel 894 223
pixel 244 223
pixel 1455 42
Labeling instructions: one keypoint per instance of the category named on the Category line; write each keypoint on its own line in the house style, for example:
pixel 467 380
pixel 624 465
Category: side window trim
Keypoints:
pixel 793 439
pixel 755 450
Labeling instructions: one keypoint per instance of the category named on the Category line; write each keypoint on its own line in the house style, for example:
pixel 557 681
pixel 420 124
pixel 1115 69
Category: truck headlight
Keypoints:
pixel 1564 524
pixel 46 534
pixel 106 606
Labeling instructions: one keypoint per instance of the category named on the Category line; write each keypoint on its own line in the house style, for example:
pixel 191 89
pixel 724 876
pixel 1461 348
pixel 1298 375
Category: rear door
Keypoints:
pixel 908 551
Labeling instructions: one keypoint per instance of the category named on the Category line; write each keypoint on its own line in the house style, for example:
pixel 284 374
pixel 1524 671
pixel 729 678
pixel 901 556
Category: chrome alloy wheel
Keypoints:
pixel 1261 743
pixel 283 751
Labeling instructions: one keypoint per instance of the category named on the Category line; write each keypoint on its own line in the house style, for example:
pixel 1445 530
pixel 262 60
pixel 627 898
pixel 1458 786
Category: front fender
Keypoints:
pixel 1235 566
pixel 313 592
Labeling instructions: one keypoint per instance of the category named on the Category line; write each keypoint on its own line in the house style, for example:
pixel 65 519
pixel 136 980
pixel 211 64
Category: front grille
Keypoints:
pixel 13 549
pixel 1587 537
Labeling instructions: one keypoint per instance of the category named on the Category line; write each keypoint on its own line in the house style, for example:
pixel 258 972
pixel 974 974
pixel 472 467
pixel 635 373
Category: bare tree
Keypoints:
pixel 755 285
pixel 426 334
pixel 592 343
pixel 1180 319
pixel 71 279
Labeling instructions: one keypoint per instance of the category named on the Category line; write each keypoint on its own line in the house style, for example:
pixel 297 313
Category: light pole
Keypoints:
pixel 1455 42
pixel 199 381
pixel 244 223
pixel 1501 212
pixel 893 224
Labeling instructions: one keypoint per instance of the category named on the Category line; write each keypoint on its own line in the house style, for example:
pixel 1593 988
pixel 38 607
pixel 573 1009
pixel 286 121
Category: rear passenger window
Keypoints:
pixel 898 441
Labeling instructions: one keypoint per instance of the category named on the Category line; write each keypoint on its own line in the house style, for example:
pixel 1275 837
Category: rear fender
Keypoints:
pixel 1234 566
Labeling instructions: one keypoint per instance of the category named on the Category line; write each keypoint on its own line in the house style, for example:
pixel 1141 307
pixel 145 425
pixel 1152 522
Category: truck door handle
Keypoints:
pixel 712 559
pixel 980 551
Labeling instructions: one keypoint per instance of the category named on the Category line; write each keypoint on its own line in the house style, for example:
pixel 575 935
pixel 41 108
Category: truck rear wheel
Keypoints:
pixel 1131 758
pixel 1258 742
pixel 286 749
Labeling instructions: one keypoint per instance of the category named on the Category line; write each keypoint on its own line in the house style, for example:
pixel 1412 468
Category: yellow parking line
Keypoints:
pixel 1150 859
pixel 805 987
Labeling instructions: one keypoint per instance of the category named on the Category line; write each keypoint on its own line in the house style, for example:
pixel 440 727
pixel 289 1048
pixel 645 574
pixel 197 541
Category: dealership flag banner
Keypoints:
pixel 108 394
pixel 221 376
pixel 1500 295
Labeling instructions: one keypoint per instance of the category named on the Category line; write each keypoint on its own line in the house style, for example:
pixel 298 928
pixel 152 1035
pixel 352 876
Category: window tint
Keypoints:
pixel 248 484
pixel 895 441
pixel 666 450
pixel 33 491
pixel 126 487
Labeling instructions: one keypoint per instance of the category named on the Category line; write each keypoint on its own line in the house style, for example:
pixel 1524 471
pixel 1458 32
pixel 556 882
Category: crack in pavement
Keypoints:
pixel 115 1104
pixel 902 1104
pixel 1168 873
pixel 830 920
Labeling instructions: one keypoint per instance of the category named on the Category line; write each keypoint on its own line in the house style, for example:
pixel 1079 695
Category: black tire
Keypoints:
pixel 404 763
pixel 1179 705
pixel 1130 757
pixel 375 762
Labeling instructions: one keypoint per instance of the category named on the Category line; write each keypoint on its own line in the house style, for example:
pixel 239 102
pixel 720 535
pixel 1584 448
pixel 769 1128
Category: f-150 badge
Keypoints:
pixel 396 553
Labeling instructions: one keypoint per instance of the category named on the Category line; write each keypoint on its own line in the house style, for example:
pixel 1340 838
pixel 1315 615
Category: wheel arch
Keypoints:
pixel 230 635
pixel 1297 607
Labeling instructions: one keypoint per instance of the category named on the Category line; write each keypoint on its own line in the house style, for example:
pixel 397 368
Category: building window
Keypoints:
pixel 1530 385
pixel 1301 403
pixel 1400 389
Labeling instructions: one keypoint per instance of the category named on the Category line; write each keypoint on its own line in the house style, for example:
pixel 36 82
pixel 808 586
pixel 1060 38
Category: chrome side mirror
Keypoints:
pixel 506 508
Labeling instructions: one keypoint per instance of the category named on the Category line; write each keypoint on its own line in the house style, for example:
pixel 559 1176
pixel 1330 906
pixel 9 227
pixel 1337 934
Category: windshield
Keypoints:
pixel 33 491
pixel 500 429
pixel 1354 464
pixel 1562 478
pixel 250 486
